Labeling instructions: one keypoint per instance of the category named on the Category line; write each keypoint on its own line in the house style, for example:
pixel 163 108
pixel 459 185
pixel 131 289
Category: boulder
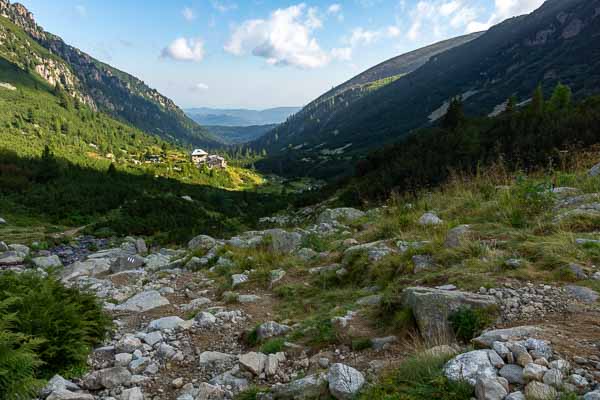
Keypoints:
pixel 47 262
pixel 132 394
pixel 128 344
pixel 331 216
pixel 595 395
pixel 158 261
pixel 11 258
pixel 91 267
pixel 487 339
pixel 272 363
pixel 308 388
pixel 238 279
pixel 143 302
pixel 127 263
pixel 21 249
pixel 513 374
pixel 534 372
pixel 63 394
pixel 107 378
pixel 2 221
pixel 215 357
pixel 422 263
pixel 455 236
pixel 282 241
pixel 515 396
pixel 58 383
pixel 595 170
pixel 430 219
pixel 433 307
pixel 540 391
pixel 554 378
pixel 205 319
pixel 470 366
pixel 375 251
pixel 3 247
pixel 344 381
pixel 201 242
pixel 583 294
pixel 253 362
pixel 206 391
pixel 165 323
pixel 490 389
pixel 271 329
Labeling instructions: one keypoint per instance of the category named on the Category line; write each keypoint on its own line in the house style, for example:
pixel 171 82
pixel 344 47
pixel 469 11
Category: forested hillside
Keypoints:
pixel 94 83
pixel 556 43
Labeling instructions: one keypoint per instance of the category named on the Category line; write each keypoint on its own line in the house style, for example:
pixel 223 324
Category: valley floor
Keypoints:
pixel 335 301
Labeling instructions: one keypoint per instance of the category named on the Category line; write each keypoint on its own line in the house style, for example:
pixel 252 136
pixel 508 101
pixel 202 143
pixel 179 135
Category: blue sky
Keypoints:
pixel 259 53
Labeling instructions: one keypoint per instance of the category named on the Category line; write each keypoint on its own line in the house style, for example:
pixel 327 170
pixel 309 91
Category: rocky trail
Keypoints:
pixel 184 330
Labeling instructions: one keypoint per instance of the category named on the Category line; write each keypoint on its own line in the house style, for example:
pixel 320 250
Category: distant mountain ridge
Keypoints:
pixel 556 43
pixel 240 117
pixel 99 85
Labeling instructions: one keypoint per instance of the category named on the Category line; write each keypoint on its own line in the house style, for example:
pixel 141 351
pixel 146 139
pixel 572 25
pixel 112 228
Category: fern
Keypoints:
pixel 18 361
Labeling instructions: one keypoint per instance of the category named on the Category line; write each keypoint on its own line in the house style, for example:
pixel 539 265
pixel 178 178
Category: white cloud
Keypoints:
pixel 334 9
pixel 223 6
pixel 182 49
pixel 200 87
pixel 449 8
pixel 505 9
pixel 286 38
pixel 342 54
pixel 188 14
pixel 363 37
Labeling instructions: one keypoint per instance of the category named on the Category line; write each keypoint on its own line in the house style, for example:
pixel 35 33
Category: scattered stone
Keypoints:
pixel 253 362
pixel 271 329
pixel 201 242
pixel 238 279
pixel 165 323
pixel 308 388
pixel 107 378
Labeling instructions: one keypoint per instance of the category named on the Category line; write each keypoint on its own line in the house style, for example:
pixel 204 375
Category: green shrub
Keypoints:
pixel 68 322
pixel 272 346
pixel 18 361
pixel 468 323
pixel 419 377
pixel 361 344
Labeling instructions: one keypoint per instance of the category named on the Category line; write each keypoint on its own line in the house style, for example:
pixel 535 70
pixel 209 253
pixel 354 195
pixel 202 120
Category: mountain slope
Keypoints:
pixel 314 117
pixel 96 84
pixel 240 117
pixel 239 134
pixel 557 43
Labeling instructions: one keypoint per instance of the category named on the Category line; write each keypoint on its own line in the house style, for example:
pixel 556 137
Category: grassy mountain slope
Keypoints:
pixel 557 43
pixel 97 84
pixel 97 174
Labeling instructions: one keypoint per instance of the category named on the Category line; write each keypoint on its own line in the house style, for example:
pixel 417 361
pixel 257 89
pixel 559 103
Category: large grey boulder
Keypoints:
pixel 433 307
pixel 331 216
pixel 21 249
pixel 107 378
pixel 132 394
pixel 583 294
pixel 165 323
pixel 215 357
pixel 308 388
pixel 282 241
pixel 344 381
pixel 375 251
pixel 271 329
pixel 127 263
pixel 143 302
pixel 91 267
pixel 253 362
pixel 47 262
pixel 469 367
pixel 201 242
pixel 513 374
pixel 595 395
pixel 158 261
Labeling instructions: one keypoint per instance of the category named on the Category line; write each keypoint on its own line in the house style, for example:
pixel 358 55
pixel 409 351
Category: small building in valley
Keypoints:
pixel 202 158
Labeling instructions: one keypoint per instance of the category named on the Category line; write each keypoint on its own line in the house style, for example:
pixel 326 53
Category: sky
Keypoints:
pixel 259 53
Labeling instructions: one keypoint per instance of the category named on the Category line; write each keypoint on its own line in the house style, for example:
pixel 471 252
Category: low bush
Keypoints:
pixel 469 323
pixel 272 346
pixel 66 323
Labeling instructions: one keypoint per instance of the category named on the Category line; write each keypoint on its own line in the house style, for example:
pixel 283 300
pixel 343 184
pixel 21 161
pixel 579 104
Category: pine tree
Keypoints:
pixel 455 115
pixel 561 98
pixel 537 101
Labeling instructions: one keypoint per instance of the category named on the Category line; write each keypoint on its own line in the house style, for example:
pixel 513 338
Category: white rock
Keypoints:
pixel 470 366
pixel 253 362
pixel 344 381
pixel 166 323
